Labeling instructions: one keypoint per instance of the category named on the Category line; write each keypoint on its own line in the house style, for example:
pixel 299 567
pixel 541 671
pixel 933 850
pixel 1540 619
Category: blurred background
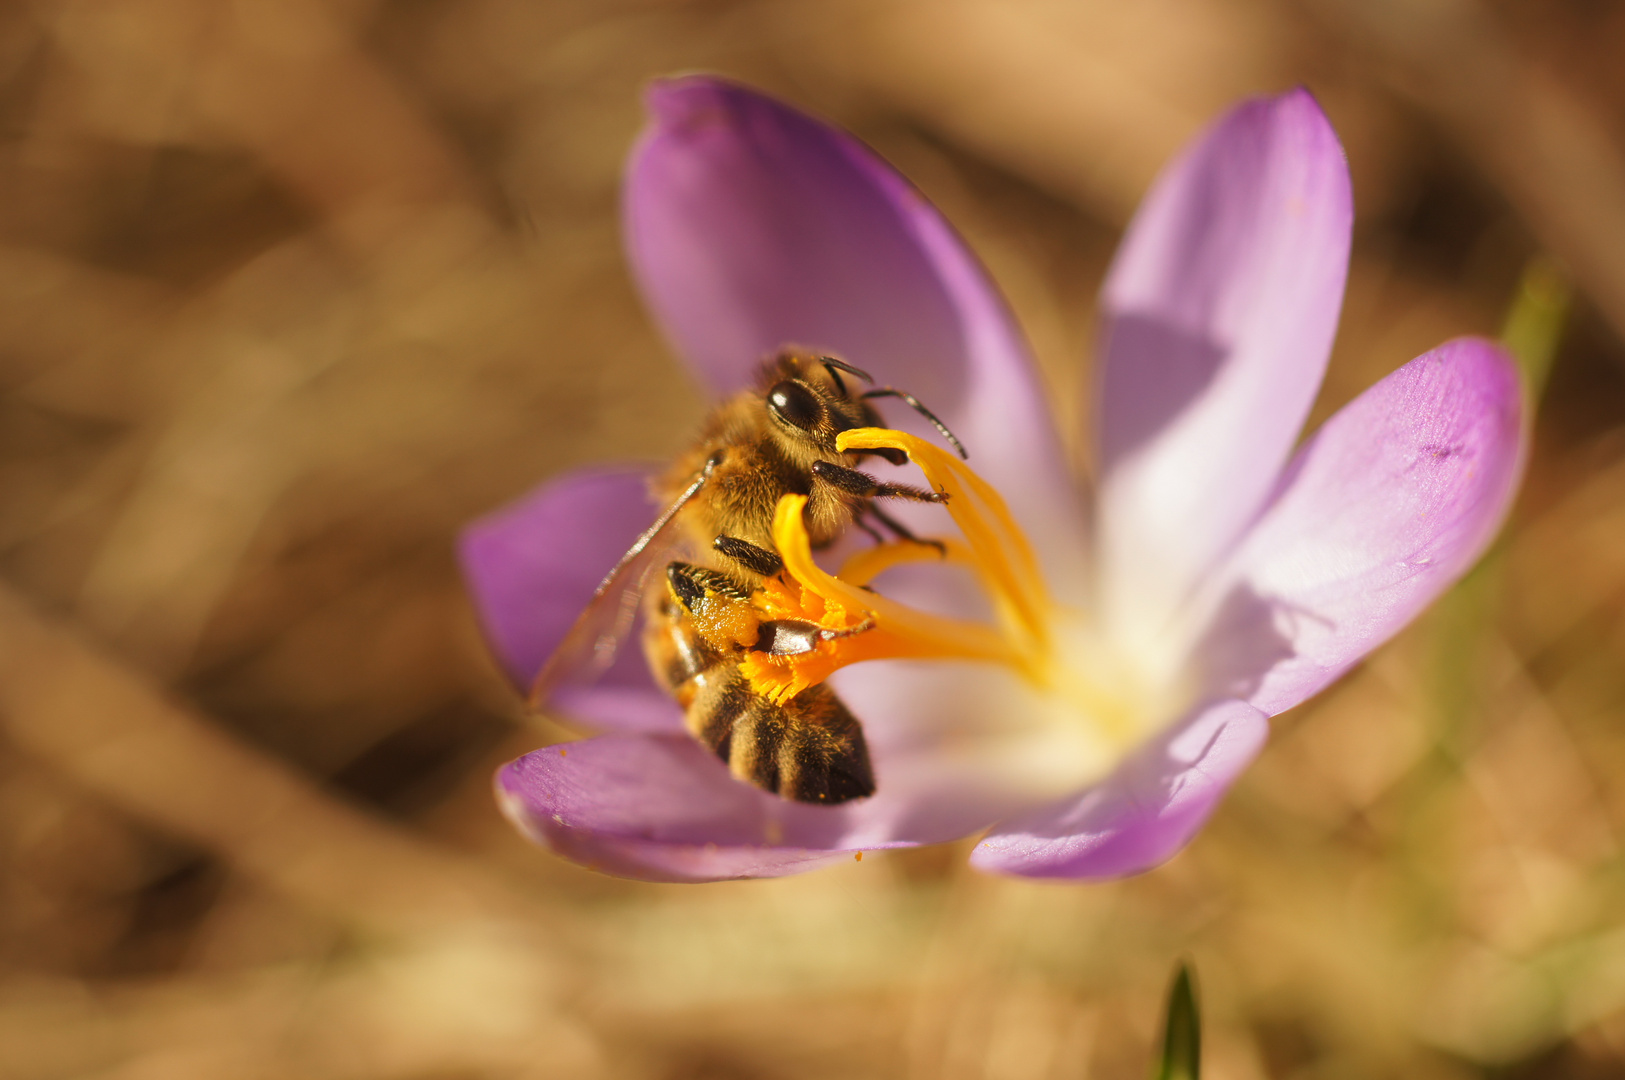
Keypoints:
pixel 291 289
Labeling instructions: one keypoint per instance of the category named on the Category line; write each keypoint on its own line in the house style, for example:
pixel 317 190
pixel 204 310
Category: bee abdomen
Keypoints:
pixel 822 756
pixel 722 697
pixel 810 749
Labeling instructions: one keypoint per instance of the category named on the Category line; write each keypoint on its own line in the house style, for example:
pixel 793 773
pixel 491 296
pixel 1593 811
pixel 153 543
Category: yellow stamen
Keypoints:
pixel 832 607
pixel 863 625
pixel 898 632
pixel 1001 553
pixel 870 563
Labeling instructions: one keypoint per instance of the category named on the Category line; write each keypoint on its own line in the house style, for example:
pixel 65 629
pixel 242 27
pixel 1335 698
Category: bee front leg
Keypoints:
pixel 853 482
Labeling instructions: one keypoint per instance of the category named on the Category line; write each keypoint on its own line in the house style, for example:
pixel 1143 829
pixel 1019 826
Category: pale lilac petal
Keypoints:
pixel 532 567
pixel 663 808
pixel 1143 813
pixel 1389 503
pixel 1220 310
pixel 751 225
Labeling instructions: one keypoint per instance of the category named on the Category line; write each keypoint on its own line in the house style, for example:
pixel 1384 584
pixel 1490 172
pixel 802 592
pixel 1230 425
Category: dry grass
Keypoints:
pixel 289 290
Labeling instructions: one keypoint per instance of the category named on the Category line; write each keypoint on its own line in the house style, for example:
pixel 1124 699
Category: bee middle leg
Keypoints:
pixel 758 560
pixel 853 482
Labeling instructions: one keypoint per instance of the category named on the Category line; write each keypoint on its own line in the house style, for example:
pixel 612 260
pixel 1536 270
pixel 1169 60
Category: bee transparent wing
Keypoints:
pixel 590 646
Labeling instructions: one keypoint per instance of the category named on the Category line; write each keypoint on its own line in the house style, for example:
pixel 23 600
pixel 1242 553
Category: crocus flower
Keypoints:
pixel 1216 577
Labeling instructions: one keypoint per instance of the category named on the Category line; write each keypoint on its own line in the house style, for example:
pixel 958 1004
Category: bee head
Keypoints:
pixel 811 402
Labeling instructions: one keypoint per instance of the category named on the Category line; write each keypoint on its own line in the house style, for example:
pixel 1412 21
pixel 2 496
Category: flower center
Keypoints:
pixel 1030 633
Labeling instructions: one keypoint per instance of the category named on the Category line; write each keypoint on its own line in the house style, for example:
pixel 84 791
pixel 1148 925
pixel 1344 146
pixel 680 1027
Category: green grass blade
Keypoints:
pixel 1535 321
pixel 1182 1031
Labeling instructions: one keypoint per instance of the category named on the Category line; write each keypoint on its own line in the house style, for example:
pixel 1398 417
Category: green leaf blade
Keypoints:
pixel 1182 1031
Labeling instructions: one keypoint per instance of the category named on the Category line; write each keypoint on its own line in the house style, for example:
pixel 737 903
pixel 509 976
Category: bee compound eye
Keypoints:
pixel 795 405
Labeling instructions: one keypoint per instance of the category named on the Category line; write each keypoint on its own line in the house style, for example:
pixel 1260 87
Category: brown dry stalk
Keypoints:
pixel 121 737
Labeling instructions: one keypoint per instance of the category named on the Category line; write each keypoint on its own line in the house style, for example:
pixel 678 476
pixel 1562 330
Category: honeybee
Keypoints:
pixel 774 439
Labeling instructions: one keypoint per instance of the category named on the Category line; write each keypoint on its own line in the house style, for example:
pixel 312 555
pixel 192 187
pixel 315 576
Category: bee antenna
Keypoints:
pixel 914 403
pixel 835 367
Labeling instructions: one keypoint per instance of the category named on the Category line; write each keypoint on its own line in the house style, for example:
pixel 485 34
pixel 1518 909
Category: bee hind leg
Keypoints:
pixel 690 583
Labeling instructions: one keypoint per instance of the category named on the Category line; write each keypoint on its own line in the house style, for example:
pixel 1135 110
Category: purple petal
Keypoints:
pixel 1391 501
pixel 1143 813
pixel 751 225
pixel 1220 310
pixel 532 567
pixel 663 808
